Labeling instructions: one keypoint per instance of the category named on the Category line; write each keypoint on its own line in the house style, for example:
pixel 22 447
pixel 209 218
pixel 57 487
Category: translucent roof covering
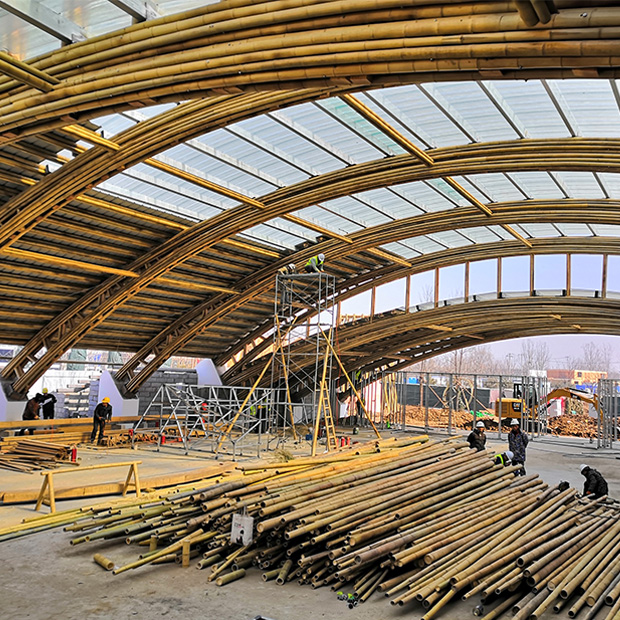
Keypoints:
pixel 258 156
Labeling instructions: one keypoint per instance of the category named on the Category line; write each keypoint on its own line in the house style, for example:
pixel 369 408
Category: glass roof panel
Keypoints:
pixel 400 249
pixel 591 105
pixel 531 104
pixel 537 185
pixel 606 230
pixel 425 245
pixel 498 186
pixel 450 239
pixel 481 234
pixel 357 211
pixel 273 236
pixel 540 230
pixel 611 183
pixel 389 202
pixel 471 110
pixel 330 219
pixel 95 16
pixel 22 39
pixel 323 121
pixel 580 184
pixel 362 127
pixel 388 105
pixel 574 230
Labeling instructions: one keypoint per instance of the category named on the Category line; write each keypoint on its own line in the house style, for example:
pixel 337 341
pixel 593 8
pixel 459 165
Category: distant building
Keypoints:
pixel 576 378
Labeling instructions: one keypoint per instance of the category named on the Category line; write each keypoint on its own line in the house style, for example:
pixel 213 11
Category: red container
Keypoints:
pixel 73 454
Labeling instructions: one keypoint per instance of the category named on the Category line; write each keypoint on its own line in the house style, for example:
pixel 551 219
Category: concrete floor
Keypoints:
pixel 44 577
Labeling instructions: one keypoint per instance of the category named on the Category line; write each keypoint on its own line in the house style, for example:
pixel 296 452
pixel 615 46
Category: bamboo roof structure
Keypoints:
pixel 153 179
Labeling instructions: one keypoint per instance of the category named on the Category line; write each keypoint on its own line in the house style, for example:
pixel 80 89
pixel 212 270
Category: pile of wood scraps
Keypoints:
pixel 573 424
pixel 28 455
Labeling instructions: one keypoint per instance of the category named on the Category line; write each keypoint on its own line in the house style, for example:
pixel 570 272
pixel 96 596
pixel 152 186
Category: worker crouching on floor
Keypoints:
pixel 315 264
pixel 505 458
pixel 102 413
pixel 595 485
pixel 31 412
pixel 517 443
pixel 477 438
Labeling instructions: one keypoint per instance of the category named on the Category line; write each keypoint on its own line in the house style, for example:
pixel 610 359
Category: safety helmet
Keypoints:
pixel 45 390
pixel 321 257
pixel 510 455
pixel 515 422
pixel 106 399
pixel 582 467
pixel 480 424
pixel 291 267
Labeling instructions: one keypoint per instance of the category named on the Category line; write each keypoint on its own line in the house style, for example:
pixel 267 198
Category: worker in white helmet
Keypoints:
pixel 505 458
pixel 517 443
pixel 315 264
pixel 477 438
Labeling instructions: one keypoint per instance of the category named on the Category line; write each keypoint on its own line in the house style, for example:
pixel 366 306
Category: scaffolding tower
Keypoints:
pixel 303 336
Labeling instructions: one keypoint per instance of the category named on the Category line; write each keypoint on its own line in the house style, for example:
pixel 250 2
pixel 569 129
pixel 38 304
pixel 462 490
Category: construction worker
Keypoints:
pixel 477 438
pixel 47 404
pixel 517 443
pixel 315 264
pixel 287 269
pixel 595 485
pixel 31 412
pixel 505 458
pixel 102 413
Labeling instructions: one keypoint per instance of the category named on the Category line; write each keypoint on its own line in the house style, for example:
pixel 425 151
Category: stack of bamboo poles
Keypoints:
pixel 419 520
pixel 28 455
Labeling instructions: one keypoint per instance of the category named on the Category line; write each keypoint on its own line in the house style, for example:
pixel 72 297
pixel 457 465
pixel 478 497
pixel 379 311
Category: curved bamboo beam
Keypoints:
pixel 437 260
pixel 413 336
pixel 205 315
pixel 69 327
pixel 246 46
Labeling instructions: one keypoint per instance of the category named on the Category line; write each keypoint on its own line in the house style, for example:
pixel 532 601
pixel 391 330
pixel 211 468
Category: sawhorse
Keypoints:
pixel 48 483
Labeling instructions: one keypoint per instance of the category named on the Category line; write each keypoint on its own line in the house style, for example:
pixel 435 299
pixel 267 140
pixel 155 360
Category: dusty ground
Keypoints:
pixel 44 577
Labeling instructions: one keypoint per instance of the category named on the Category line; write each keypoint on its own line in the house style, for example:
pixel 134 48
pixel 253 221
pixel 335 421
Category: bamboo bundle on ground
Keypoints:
pixel 27 455
pixel 422 521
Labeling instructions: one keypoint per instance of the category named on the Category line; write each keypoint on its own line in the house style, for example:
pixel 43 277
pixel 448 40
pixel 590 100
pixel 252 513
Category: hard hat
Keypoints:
pixel 321 257
pixel 510 455
pixel 291 266
pixel 515 422
pixel 480 424
pixel 582 467
pixel 106 399
pixel 44 390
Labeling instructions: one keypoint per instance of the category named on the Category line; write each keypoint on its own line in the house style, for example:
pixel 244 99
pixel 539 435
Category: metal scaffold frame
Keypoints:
pixel 211 418
pixel 608 391
pixel 304 313
pixel 461 391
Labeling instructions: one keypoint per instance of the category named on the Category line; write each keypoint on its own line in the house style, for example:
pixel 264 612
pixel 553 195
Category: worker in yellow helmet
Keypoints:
pixel 47 404
pixel 315 264
pixel 102 413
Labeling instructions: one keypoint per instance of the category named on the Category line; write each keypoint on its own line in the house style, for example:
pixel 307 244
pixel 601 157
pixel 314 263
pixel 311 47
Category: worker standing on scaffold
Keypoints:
pixel 315 264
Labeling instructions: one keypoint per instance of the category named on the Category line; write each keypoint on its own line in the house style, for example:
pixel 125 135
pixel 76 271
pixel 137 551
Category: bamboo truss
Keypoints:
pixel 399 338
pixel 248 59
pixel 186 244
pixel 305 44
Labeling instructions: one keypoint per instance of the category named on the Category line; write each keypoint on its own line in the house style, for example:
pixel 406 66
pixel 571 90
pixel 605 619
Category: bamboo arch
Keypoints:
pixel 91 310
pixel 401 337
pixel 240 46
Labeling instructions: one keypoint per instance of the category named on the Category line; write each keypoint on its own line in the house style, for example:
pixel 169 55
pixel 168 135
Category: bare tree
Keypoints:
pixel 596 357
pixel 535 355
